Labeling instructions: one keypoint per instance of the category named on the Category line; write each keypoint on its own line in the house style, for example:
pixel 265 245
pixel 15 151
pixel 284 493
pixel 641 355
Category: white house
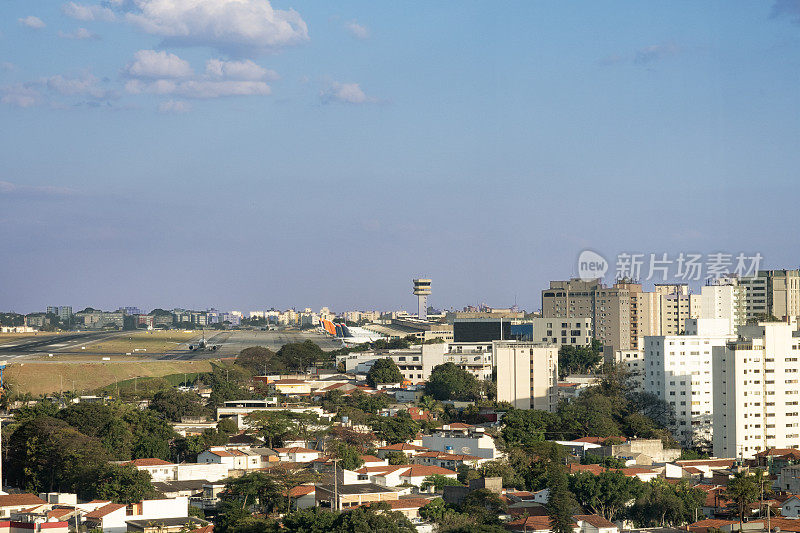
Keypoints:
pixel 394 475
pixel 462 439
pixel 11 503
pixel 303 496
pixel 114 517
pixel 408 449
pixel 297 454
pixel 238 458
pixel 447 460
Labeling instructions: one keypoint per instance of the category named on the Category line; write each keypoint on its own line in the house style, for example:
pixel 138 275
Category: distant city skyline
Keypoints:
pixel 327 153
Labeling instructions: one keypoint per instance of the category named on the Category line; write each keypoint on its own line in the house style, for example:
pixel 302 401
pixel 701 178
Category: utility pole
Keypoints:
pixel 335 487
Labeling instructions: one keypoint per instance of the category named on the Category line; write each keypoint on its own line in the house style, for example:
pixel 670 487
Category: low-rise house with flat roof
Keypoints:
pixel 352 495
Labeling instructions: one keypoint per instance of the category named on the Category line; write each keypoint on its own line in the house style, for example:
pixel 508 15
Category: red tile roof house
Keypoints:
pixel 645 474
pixel 395 475
pixel 371 460
pixel 409 507
pixel 447 460
pixel 408 449
pixel 303 496
pixel 297 454
pixel 775 524
pixel 10 503
pixel 582 524
pixel 13 526
pixel 237 459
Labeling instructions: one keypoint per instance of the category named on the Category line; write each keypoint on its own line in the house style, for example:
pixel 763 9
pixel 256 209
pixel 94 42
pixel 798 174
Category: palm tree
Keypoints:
pixel 742 490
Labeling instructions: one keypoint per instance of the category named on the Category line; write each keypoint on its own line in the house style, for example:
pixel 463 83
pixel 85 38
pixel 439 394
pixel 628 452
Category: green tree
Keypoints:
pixel 173 405
pixel 349 457
pixel 118 483
pixel 438 482
pixel 501 468
pixel 523 427
pixel 448 382
pixel 397 458
pixel 272 426
pixel 484 505
pixel 258 360
pixel 605 494
pixel 395 429
pixel 48 455
pixel 384 371
pixel 561 502
pixel 579 359
pixel 606 461
pixel 257 491
pixel 662 504
pixel 742 490
pixel 298 356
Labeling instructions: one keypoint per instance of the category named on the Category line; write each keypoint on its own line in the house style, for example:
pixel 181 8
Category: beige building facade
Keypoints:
pixel 527 374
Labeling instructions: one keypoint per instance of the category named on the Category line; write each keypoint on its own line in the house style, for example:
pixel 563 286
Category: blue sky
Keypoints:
pixel 246 155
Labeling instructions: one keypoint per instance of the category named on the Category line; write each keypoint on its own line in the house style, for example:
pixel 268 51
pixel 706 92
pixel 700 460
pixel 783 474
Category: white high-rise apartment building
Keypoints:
pixel 725 300
pixel 678 369
pixel 757 390
pixel 527 374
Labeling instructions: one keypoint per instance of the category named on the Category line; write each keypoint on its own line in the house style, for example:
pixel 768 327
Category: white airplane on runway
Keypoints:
pixel 349 335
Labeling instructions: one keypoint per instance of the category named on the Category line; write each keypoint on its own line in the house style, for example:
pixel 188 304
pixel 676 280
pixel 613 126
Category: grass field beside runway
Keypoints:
pixel 138 342
pixel 49 377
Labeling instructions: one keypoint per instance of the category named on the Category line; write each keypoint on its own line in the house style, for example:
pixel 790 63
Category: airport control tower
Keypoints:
pixel 422 288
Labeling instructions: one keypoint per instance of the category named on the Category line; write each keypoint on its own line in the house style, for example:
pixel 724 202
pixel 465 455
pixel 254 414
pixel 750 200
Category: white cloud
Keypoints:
pixel 85 85
pixel 32 22
pixel 158 65
pixel 347 93
pixel 79 34
pixel 238 70
pixel 7 66
pixel 82 89
pixel 167 74
pixel 90 12
pixel 6 187
pixel 200 88
pixel 174 106
pixel 357 30
pixel 20 95
pixel 233 26
pixel 653 53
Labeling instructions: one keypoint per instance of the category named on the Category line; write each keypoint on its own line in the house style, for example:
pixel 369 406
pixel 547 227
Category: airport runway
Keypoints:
pixel 42 345
pixel 234 341
pixel 230 344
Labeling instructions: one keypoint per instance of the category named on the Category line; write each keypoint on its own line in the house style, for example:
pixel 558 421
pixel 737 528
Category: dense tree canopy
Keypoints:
pixel 662 504
pixel 395 429
pixel 579 359
pixel 384 371
pixel 174 405
pixel 448 382
pixel 298 356
pixel 610 409
pixel 258 360
pixel 605 494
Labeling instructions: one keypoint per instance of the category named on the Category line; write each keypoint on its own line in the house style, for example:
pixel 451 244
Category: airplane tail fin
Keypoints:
pixel 328 326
